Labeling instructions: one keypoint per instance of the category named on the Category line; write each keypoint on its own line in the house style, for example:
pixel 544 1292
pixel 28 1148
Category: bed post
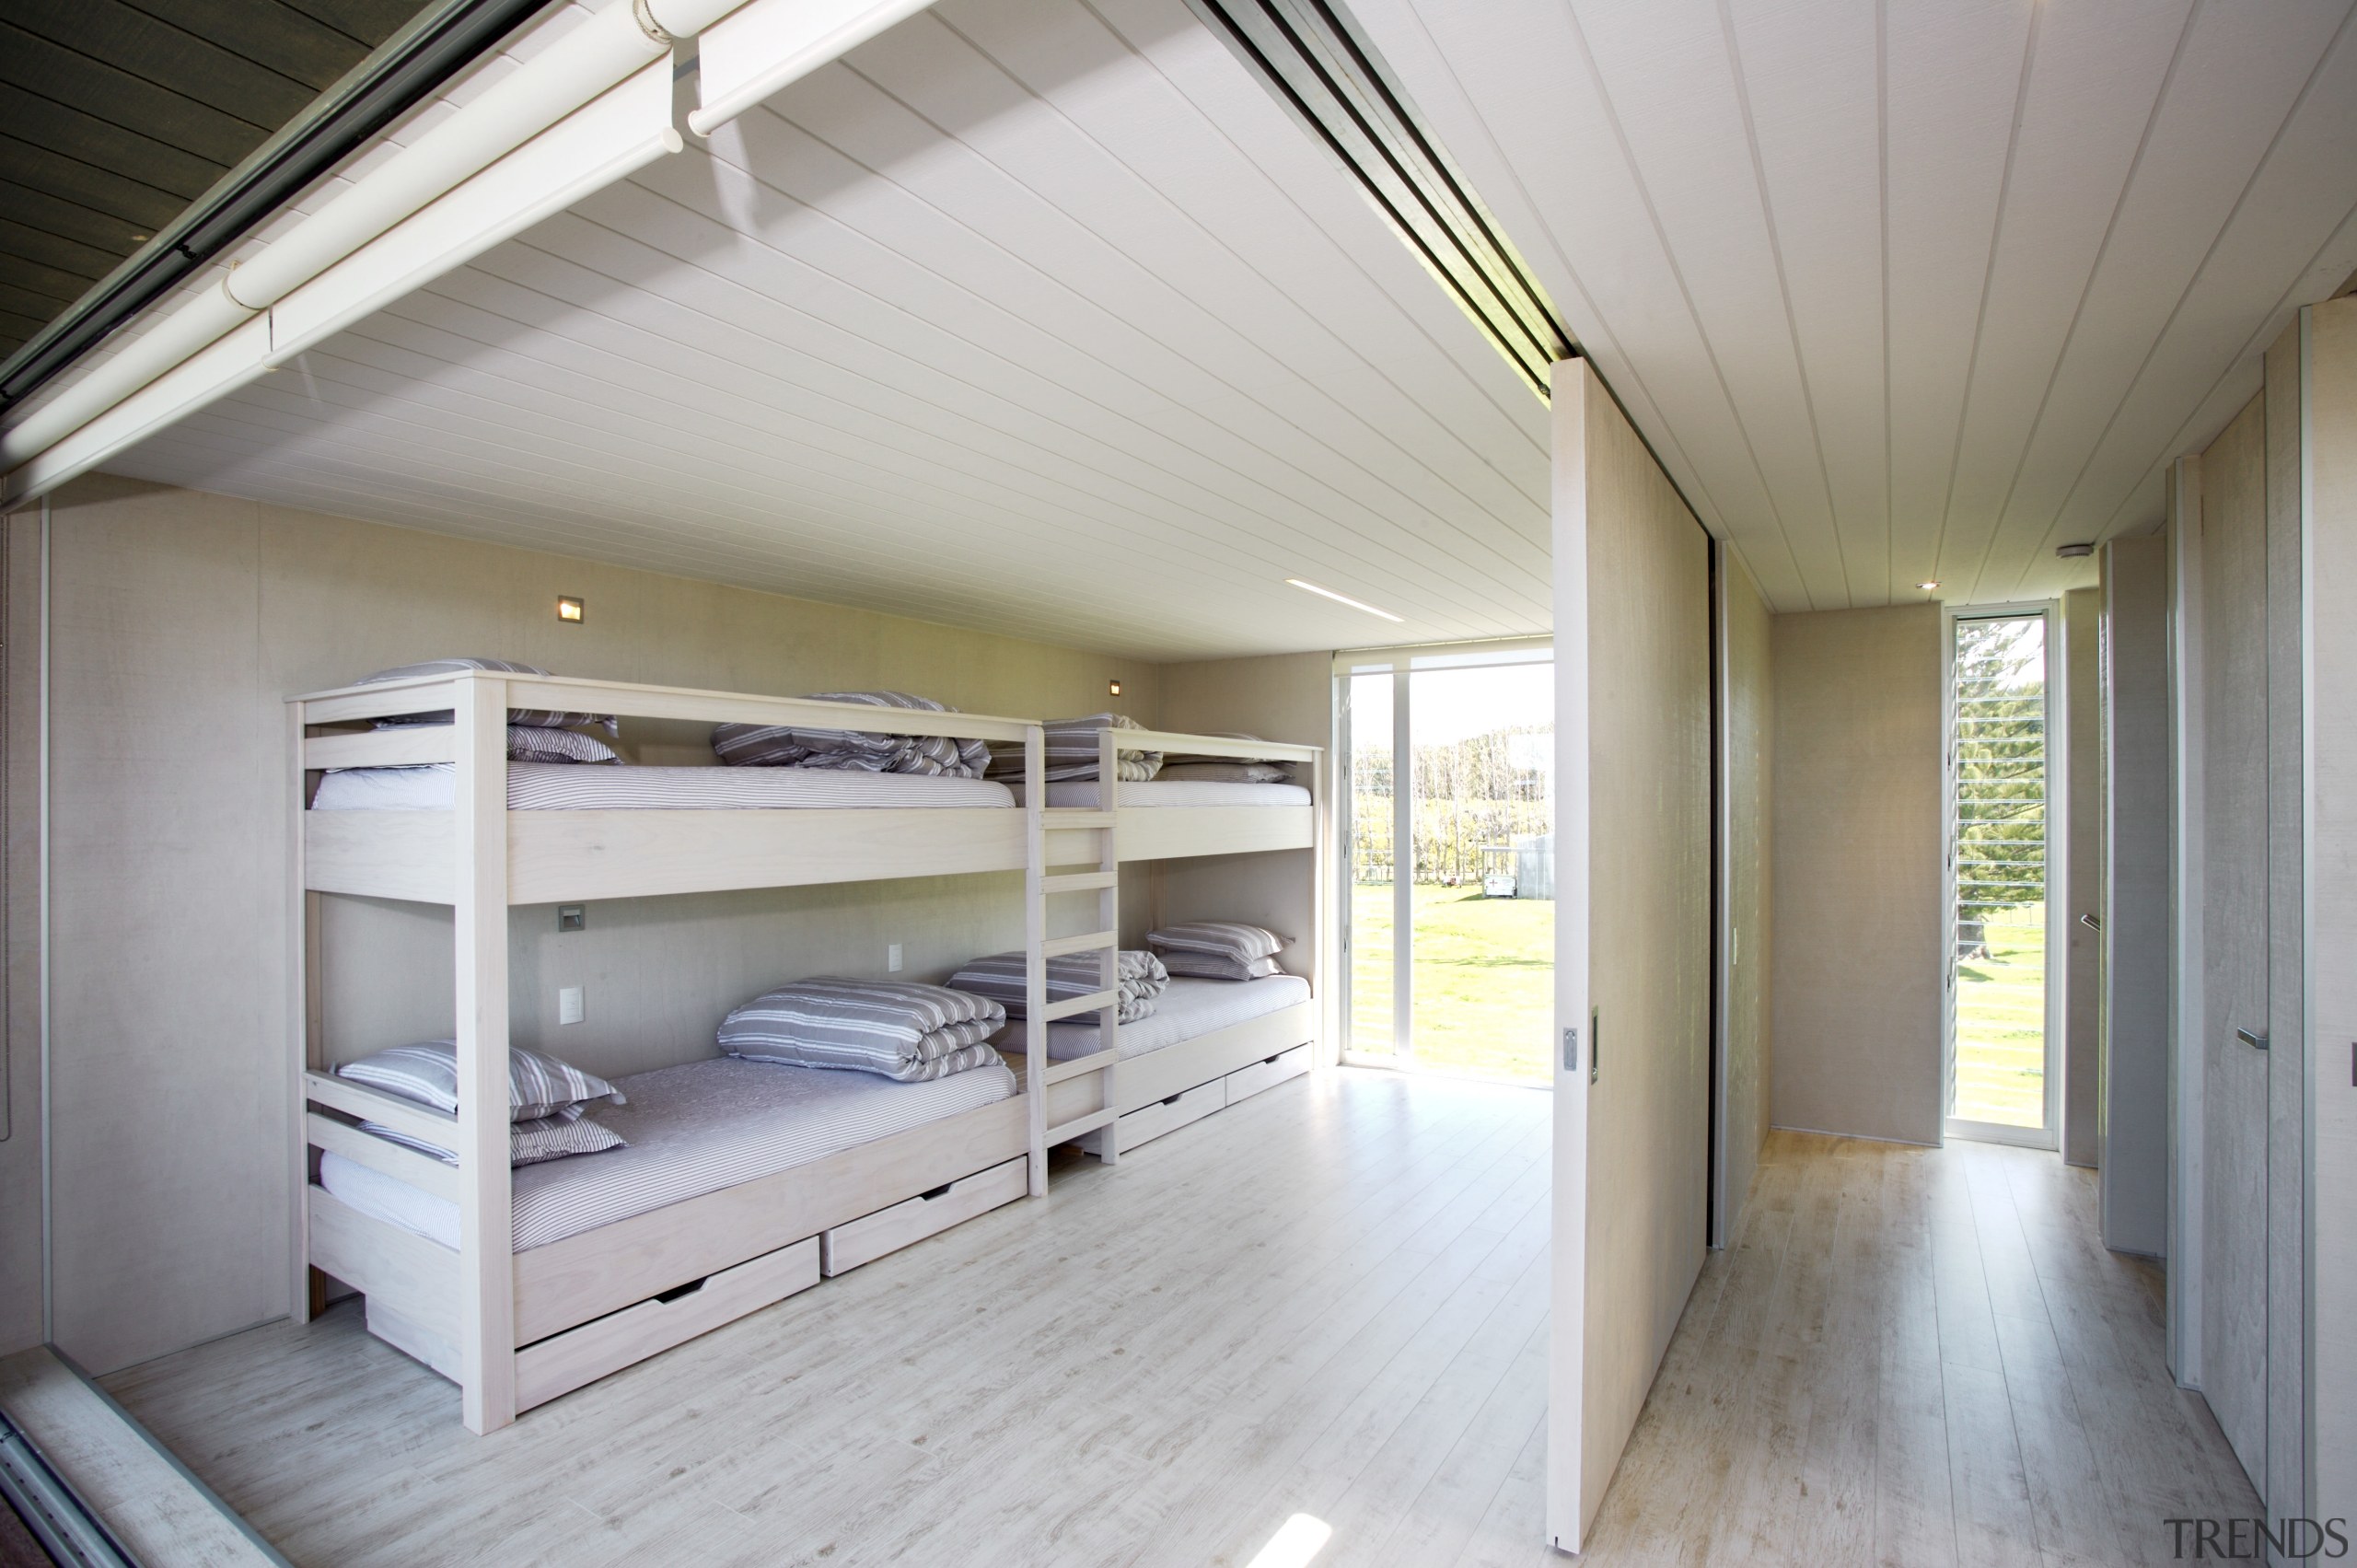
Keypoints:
pixel 1108 918
pixel 303 1044
pixel 1034 957
pixel 486 1237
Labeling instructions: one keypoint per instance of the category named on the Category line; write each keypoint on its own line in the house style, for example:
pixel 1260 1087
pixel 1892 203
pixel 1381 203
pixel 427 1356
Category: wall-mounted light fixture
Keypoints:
pixel 1112 688
pixel 570 608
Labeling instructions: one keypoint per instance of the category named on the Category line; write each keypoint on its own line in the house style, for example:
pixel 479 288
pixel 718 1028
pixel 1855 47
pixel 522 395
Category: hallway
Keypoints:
pixel 1917 1356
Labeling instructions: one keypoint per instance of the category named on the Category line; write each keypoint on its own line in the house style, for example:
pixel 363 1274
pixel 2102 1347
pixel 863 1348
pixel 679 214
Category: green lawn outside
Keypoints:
pixel 1484 983
pixel 2000 1024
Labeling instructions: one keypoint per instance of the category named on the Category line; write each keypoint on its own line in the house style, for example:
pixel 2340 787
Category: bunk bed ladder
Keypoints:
pixel 1103 879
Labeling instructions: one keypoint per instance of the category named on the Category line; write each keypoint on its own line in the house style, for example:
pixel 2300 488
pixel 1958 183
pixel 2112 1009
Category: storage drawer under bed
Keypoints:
pixel 1245 1082
pixel 1150 1121
pixel 887 1230
pixel 565 1362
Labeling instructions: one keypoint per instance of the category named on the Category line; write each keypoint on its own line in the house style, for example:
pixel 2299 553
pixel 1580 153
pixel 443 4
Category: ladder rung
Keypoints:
pixel 1071 819
pixel 1091 1003
pixel 1079 1124
pixel 1078 881
pixel 1095 941
pixel 1095 1061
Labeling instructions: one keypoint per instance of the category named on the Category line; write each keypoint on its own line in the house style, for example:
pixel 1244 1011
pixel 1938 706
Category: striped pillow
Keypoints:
pixel 1222 938
pixel 529 744
pixel 1183 759
pixel 1071 752
pixel 900 1029
pixel 1226 772
pixel 536 718
pixel 427 1072
pixel 1218 965
pixel 528 1143
pixel 791 746
pixel 1139 978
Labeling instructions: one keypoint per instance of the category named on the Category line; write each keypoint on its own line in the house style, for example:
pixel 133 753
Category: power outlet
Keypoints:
pixel 569 1008
pixel 892 957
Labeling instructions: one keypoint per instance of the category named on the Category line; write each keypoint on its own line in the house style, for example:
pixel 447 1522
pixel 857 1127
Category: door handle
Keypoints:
pixel 2091 922
pixel 2256 1042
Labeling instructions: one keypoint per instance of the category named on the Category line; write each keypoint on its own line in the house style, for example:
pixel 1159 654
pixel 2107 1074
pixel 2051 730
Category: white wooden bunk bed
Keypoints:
pixel 515 1328
pixel 1211 1043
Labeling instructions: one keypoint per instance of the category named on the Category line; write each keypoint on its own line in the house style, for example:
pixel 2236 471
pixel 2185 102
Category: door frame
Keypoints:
pixel 1402 662
pixel 2058 826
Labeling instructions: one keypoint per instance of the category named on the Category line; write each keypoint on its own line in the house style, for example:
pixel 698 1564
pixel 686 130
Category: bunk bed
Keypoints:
pixel 1211 1043
pixel 433 1246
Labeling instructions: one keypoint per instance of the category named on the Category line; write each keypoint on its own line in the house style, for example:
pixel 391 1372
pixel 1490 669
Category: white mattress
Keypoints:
pixel 575 786
pixel 693 1128
pixel 1176 791
pixel 1189 1009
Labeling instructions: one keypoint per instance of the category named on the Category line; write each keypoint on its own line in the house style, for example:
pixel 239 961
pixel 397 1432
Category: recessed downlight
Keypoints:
pixel 1344 598
pixel 1927 587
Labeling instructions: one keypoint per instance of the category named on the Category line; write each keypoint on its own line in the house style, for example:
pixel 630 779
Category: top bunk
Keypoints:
pixel 429 811
pixel 1169 817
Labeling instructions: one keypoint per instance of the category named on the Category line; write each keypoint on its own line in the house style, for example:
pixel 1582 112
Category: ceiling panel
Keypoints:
pixel 1908 290
pixel 1035 317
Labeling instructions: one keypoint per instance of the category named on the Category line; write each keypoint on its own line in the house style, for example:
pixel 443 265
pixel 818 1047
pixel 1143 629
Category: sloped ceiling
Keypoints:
pixel 1039 316
pixel 1032 315
pixel 1917 289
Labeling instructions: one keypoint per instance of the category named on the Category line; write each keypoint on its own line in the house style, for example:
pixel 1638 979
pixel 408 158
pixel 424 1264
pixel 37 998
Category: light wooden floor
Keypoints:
pixel 1330 1300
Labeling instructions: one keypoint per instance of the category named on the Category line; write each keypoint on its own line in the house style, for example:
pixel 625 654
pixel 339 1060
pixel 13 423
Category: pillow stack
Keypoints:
pixel 1218 950
pixel 1226 770
pixel 534 735
pixel 902 1030
pixel 1070 752
pixel 1140 979
pixel 546 1100
pixel 791 745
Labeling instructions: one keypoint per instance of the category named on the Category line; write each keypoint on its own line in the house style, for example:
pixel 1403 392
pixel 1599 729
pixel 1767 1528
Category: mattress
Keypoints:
pixel 574 787
pixel 1177 791
pixel 1189 1009
pixel 693 1128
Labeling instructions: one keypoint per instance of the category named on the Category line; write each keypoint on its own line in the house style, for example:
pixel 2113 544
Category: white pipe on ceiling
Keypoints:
pixel 770 44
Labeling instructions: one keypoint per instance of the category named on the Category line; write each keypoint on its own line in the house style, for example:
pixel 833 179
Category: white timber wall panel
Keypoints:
pixel 2079 854
pixel 2331 515
pixel 179 622
pixel 2137 963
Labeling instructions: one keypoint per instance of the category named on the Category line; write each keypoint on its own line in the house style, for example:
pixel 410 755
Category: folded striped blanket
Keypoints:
pixel 914 1033
pixel 791 745
pixel 1071 751
pixel 1141 981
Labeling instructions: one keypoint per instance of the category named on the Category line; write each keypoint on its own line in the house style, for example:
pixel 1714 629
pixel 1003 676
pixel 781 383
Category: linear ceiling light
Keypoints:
pixel 1345 599
pixel 1322 67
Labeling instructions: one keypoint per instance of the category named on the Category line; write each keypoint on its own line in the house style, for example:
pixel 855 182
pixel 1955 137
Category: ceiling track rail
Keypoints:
pixel 408 68
pixel 1326 74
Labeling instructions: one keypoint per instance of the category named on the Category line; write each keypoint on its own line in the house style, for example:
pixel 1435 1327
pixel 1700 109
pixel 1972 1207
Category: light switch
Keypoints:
pixel 569 1009
pixel 892 957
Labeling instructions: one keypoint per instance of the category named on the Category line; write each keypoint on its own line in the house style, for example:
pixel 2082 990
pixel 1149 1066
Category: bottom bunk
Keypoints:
pixel 1207 1044
pixel 742 1183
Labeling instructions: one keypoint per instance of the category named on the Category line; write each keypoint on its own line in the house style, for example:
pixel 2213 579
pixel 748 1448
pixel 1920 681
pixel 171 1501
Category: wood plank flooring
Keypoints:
pixel 1329 1300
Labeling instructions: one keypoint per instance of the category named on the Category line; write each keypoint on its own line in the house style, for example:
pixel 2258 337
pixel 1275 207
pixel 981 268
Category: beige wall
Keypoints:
pixel 1280 697
pixel 2332 520
pixel 2137 742
pixel 1747 640
pixel 2081 1053
pixel 1856 866
pixel 179 622
pixel 1648 928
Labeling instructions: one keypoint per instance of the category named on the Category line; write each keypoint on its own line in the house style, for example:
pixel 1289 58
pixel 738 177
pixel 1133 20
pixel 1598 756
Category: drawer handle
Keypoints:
pixel 940 1191
pixel 1174 1099
pixel 1270 1061
pixel 666 1298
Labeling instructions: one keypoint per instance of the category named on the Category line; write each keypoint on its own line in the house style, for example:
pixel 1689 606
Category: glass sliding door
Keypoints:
pixel 1450 930
pixel 2002 1083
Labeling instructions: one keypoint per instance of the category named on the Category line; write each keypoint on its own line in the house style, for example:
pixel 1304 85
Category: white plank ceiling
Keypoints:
pixel 1909 290
pixel 1036 316
pixel 1040 317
